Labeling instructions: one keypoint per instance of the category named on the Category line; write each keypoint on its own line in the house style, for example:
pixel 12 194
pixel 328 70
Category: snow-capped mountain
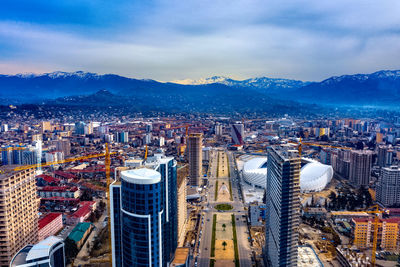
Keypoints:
pixel 260 83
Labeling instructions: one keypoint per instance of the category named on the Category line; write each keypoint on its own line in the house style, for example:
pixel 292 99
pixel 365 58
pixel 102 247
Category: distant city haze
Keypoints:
pixel 177 40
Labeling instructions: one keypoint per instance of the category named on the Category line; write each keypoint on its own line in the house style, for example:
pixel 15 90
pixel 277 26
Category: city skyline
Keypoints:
pixel 306 40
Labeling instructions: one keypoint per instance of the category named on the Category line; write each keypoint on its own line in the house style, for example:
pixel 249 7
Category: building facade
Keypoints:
pixel 360 167
pixel 18 211
pixel 195 158
pixel 136 219
pixel 388 233
pixel 237 133
pixel 282 207
pixel 49 225
pixel 155 187
pixel 388 188
pixel 182 174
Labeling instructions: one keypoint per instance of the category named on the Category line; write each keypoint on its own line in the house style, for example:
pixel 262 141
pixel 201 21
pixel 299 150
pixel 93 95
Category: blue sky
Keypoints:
pixel 170 40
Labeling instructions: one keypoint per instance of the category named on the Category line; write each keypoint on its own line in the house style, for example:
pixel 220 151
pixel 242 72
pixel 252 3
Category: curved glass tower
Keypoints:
pixel 137 209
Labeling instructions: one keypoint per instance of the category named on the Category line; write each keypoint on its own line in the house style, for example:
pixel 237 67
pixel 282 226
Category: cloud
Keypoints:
pixel 168 40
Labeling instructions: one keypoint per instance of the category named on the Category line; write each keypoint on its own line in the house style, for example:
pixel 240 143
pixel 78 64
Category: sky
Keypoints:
pixel 169 40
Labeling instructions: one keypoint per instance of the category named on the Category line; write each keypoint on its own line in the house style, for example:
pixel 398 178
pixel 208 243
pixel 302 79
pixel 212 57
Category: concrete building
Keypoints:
pixel 237 133
pixel 360 167
pixel 182 174
pixel 19 211
pixel 195 158
pixel 64 146
pixel 45 126
pixel 385 156
pixel 49 225
pixel 49 252
pixel 388 233
pixel 283 207
pixel 122 137
pixel 218 129
pixel 388 188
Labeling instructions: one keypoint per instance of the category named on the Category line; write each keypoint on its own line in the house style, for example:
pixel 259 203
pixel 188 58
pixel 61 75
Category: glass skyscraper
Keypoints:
pixel 144 214
pixel 283 207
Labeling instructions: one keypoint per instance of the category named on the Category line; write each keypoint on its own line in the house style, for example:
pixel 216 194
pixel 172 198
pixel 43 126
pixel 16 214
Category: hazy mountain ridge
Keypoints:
pixel 382 87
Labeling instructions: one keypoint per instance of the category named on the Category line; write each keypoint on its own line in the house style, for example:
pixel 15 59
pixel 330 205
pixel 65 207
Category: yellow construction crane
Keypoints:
pixel 376 223
pixel 13 148
pixel 376 207
pixel 107 164
pixel 145 153
pixel 301 144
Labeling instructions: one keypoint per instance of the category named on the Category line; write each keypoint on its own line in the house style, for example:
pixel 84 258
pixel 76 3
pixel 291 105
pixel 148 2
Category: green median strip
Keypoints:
pixel 235 244
pixel 214 227
pixel 216 191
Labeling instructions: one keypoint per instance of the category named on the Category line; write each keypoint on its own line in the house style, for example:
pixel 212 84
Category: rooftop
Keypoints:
pixel 181 256
pixel 48 219
pixel 141 176
pixel 80 229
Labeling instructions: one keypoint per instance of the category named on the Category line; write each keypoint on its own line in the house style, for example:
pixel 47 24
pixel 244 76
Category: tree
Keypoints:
pixel 71 250
pixel 224 244
pixel 224 226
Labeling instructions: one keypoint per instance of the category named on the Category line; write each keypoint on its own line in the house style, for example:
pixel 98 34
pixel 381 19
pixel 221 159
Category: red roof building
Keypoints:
pixel 49 225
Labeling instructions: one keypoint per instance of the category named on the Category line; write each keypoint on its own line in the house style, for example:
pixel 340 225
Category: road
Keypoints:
pixel 203 257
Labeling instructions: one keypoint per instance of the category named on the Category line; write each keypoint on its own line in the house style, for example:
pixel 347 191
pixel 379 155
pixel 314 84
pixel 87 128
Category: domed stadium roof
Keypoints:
pixel 314 176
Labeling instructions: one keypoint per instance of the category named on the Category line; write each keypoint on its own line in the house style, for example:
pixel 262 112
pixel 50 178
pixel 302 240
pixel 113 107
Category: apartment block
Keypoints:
pixel 388 233
pixel 18 211
pixel 195 158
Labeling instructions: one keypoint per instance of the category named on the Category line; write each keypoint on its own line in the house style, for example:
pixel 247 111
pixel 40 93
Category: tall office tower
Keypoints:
pixel 218 129
pixel 237 133
pixel 147 139
pixel 48 252
pixel 137 219
pixel 388 188
pixel 122 137
pixel 195 158
pixel 385 156
pixel 64 146
pixel 360 167
pixel 19 209
pixel 161 176
pixel 283 207
pixel 45 126
pixel 80 128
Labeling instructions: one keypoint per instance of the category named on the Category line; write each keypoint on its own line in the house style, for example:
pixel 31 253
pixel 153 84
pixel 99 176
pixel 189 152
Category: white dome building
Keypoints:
pixel 255 172
pixel 314 176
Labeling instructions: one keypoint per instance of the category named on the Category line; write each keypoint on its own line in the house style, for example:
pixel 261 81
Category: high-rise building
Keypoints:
pixel 282 207
pixel 195 141
pixel 237 133
pixel 48 252
pixel 64 146
pixel 137 219
pixel 4 128
pixel 122 137
pixel 218 129
pixel 385 156
pixel 45 126
pixel 80 128
pixel 360 167
pixel 144 214
pixel 388 188
pixel 19 209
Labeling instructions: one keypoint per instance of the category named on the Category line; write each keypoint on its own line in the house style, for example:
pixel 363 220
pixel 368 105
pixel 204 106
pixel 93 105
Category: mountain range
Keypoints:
pixel 215 94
